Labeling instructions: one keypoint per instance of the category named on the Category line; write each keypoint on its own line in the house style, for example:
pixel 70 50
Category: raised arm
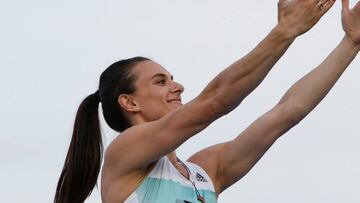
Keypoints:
pixel 223 94
pixel 235 158
pixel 232 85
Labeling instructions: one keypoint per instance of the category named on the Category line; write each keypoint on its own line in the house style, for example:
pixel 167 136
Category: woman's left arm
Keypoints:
pixel 230 161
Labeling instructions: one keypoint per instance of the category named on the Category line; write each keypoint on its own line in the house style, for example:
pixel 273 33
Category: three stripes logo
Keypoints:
pixel 200 178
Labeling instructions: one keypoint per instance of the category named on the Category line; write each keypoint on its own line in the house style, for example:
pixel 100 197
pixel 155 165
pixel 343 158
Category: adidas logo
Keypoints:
pixel 200 178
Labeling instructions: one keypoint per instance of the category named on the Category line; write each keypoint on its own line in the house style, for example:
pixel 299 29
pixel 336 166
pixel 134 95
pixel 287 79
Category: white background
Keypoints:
pixel 53 52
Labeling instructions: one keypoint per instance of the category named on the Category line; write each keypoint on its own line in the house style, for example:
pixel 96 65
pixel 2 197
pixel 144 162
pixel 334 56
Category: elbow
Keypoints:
pixel 214 102
pixel 216 108
pixel 221 100
pixel 220 108
pixel 222 104
pixel 293 113
pixel 210 107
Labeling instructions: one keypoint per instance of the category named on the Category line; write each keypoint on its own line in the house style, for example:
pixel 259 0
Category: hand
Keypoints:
pixel 299 16
pixel 351 21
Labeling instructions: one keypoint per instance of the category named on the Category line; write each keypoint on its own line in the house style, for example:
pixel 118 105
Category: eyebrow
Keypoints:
pixel 162 75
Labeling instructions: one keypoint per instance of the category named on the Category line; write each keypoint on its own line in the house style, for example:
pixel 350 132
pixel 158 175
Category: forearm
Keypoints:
pixel 307 93
pixel 233 84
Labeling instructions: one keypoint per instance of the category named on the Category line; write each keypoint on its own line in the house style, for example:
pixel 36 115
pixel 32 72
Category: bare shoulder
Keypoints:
pixel 208 159
pixel 118 180
pixel 125 150
pixel 116 153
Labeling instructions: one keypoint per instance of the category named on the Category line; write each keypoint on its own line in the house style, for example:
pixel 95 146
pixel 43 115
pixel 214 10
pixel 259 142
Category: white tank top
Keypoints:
pixel 165 184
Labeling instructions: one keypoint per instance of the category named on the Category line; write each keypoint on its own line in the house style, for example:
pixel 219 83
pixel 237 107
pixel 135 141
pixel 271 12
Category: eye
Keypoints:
pixel 162 81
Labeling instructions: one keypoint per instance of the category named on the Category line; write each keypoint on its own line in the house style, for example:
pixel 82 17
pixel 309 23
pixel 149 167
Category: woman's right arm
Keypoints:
pixel 142 144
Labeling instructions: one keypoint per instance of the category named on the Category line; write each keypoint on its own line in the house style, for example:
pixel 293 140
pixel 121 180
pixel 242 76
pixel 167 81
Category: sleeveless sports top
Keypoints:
pixel 165 184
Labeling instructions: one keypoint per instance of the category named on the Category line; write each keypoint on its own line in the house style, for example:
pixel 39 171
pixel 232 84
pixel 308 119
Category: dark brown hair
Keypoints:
pixel 83 160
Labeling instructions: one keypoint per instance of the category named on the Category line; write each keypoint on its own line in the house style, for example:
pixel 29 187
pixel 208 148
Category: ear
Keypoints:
pixel 128 103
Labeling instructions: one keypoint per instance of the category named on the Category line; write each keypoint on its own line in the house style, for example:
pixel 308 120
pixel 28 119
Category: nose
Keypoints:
pixel 176 88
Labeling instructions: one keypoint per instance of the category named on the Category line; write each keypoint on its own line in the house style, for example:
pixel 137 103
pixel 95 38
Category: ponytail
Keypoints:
pixel 83 160
pixel 82 164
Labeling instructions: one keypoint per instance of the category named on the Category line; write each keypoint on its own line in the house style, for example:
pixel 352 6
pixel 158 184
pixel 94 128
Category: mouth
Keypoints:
pixel 176 100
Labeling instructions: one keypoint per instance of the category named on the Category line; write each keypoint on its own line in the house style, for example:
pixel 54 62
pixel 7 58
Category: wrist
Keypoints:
pixel 351 44
pixel 284 32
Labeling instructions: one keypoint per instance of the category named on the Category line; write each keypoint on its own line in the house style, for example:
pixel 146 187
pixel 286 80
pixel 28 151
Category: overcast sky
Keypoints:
pixel 53 52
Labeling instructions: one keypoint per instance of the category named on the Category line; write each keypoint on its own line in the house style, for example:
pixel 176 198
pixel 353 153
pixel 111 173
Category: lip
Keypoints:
pixel 177 100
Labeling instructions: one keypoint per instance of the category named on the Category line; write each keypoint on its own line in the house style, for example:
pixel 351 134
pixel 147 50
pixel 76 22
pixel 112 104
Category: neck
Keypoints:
pixel 136 120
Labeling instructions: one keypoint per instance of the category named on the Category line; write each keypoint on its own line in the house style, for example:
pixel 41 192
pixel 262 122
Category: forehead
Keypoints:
pixel 147 69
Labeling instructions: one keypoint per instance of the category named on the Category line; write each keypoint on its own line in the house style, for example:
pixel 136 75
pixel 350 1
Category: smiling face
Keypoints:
pixel 156 93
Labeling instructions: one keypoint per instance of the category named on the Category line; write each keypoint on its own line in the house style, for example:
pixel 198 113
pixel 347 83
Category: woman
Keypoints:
pixel 140 99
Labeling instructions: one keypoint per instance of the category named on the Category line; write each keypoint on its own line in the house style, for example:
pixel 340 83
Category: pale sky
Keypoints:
pixel 53 52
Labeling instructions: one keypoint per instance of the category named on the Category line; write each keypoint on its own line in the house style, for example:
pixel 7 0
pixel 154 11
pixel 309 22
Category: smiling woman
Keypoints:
pixel 157 93
pixel 141 100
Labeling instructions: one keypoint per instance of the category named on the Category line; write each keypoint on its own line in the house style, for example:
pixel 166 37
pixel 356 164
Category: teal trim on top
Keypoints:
pixel 154 190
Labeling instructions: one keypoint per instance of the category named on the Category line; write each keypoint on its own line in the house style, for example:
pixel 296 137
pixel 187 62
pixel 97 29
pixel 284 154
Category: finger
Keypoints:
pixel 345 4
pixel 319 6
pixel 283 2
pixel 326 1
pixel 357 6
pixel 317 2
pixel 327 7
pixel 321 1
pixel 329 1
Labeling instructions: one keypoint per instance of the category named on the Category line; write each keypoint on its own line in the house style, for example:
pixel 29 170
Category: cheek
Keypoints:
pixel 154 99
pixel 154 109
pixel 152 95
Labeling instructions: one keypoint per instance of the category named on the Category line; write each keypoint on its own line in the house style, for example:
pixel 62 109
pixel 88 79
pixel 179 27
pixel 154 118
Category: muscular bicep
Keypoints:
pixel 145 143
pixel 237 157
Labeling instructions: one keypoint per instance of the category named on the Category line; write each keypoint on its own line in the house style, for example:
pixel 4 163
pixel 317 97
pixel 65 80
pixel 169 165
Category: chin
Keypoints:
pixel 176 107
pixel 173 108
